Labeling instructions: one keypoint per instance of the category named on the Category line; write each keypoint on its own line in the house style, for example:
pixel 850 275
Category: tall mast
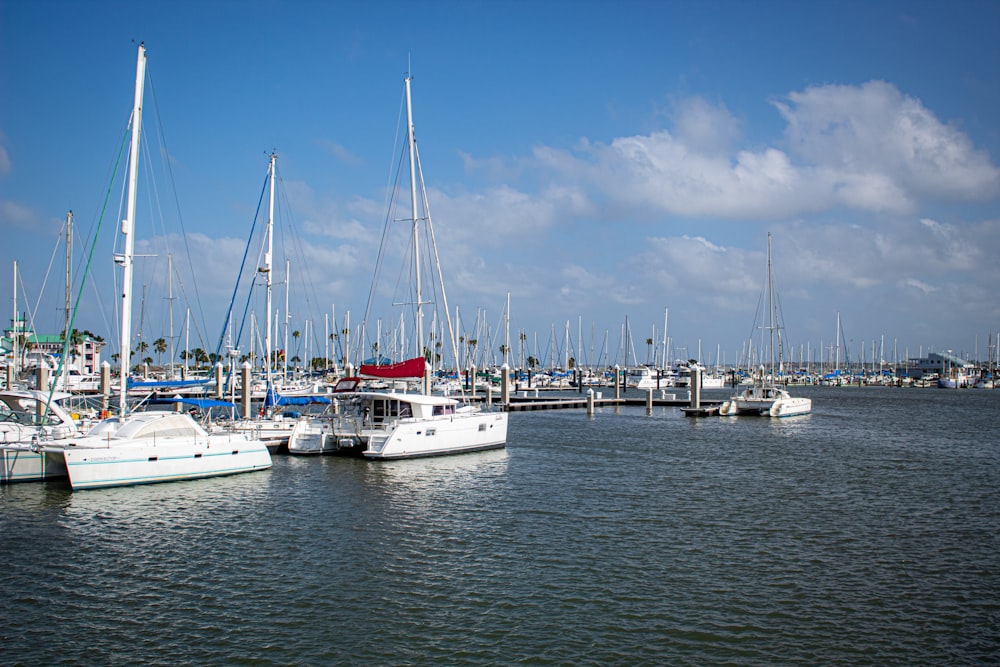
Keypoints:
pixel 128 225
pixel 17 329
pixel 284 357
pixel 770 305
pixel 506 334
pixel 170 309
pixel 266 269
pixel 411 141
pixel 69 266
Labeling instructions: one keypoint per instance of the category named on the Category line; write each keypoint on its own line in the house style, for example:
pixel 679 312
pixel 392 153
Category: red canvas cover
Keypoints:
pixel 411 368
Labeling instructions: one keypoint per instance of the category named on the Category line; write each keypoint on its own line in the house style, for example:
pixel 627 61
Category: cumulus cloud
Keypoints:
pixel 874 131
pixel 867 148
pixel 16 215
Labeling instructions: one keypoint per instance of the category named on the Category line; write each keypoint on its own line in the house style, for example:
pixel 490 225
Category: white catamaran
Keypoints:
pixel 766 395
pixel 395 425
pixel 141 448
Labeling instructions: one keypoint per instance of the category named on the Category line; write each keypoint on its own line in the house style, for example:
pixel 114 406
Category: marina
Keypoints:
pixel 562 424
pixel 863 533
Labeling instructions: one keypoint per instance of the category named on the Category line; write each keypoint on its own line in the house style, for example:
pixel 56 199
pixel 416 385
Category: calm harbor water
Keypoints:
pixel 865 533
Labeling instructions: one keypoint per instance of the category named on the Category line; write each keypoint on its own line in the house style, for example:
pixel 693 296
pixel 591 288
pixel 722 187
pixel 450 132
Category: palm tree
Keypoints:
pixel 160 346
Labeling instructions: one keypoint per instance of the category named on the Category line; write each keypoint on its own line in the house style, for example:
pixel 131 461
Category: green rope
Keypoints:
pixel 83 281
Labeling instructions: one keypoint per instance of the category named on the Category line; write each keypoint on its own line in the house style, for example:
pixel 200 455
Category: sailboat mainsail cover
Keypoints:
pixel 411 368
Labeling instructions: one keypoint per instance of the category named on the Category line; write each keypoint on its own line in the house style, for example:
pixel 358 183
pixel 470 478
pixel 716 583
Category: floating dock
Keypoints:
pixel 526 403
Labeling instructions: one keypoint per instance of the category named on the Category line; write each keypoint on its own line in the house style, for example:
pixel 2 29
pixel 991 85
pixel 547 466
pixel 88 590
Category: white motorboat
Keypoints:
pixel 647 377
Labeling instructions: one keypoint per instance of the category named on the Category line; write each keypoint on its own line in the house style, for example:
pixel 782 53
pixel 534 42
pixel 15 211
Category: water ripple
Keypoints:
pixel 862 534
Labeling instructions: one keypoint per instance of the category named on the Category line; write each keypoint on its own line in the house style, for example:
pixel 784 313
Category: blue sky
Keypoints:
pixel 598 161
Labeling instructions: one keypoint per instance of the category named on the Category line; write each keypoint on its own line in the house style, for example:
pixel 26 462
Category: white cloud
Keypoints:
pixel 866 147
pixel 874 131
pixel 16 215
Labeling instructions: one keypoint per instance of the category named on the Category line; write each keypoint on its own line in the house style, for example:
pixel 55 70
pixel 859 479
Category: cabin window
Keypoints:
pixel 482 427
pixel 431 431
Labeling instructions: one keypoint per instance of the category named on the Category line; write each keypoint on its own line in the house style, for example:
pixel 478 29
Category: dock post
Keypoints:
pixel 245 389
pixel 505 384
pixel 42 384
pixel 696 386
pixel 590 402
pixel 472 380
pixel 618 388
pixel 218 380
pixel 649 401
pixel 105 388
pixel 42 379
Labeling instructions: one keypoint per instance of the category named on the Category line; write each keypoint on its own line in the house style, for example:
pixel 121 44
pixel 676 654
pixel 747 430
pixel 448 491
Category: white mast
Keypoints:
pixel 69 267
pixel 128 225
pixel 187 340
pixel 506 334
pixel 413 208
pixel 266 270
pixel 837 363
pixel 284 367
pixel 17 331
pixel 170 302
pixel 666 319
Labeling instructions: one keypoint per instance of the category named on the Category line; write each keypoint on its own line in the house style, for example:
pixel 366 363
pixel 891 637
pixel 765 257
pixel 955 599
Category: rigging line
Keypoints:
pixel 388 204
pixel 180 217
pixel 239 275
pixel 45 281
pixel 84 241
pixel 312 302
pixel 383 241
pixel 437 262
pixel 86 272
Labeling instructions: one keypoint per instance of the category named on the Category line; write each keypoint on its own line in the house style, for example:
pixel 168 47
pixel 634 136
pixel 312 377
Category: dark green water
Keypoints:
pixel 865 533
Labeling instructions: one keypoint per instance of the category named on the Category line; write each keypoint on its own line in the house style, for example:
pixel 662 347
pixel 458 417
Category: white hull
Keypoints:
pixel 713 382
pixel 164 462
pixel 315 436
pixel 771 402
pixel 22 464
pixel 450 434
pixel 274 431
pixel 24 437
pixel 157 447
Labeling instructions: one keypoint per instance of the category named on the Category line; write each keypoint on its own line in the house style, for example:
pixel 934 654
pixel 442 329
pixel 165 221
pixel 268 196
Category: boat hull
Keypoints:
pixel 454 434
pixel 21 463
pixel 784 406
pixel 95 467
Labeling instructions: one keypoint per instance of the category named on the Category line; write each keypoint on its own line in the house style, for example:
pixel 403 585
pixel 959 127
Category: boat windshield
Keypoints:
pixel 169 426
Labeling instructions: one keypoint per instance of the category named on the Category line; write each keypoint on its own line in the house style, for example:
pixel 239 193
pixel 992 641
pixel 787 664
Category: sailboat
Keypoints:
pixel 147 447
pixel 765 395
pixel 397 424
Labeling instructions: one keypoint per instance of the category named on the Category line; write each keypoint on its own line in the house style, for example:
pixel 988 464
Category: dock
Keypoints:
pixel 526 403
pixel 523 404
